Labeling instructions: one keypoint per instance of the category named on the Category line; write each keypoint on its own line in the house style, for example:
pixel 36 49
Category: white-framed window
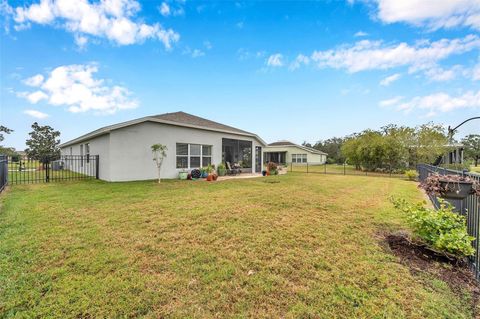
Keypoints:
pixel 81 155
pixel 87 152
pixel 193 155
pixel 299 158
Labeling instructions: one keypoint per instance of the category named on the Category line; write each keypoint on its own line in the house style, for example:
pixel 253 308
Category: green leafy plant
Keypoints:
pixel 442 229
pixel 411 174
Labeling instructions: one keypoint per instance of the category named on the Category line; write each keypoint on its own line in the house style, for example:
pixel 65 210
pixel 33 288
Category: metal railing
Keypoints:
pixel 24 170
pixel 469 207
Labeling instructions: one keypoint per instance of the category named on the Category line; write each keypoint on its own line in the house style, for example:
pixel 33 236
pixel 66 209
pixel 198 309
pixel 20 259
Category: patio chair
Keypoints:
pixel 232 170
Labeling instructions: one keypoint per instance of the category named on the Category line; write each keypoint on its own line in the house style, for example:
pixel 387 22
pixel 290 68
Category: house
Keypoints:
pixel 125 154
pixel 283 152
pixel 454 155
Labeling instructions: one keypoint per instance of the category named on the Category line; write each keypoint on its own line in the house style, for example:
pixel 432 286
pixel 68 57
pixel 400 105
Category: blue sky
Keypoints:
pixel 297 70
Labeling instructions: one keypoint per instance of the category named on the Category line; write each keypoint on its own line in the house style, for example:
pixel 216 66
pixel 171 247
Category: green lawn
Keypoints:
pixel 293 246
pixel 475 169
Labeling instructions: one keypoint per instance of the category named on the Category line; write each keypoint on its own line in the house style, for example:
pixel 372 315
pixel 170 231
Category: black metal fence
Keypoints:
pixel 342 169
pixel 3 171
pixel 24 170
pixel 469 207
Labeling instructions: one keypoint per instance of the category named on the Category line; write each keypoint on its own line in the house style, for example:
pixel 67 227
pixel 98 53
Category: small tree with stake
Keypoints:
pixel 159 153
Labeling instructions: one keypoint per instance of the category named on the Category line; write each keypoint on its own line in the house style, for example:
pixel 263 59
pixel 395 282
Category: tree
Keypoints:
pixel 10 151
pixel 332 147
pixel 4 130
pixel 43 143
pixel 472 147
pixel 159 153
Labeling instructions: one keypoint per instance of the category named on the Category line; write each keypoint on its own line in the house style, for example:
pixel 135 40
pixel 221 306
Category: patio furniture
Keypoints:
pixel 232 169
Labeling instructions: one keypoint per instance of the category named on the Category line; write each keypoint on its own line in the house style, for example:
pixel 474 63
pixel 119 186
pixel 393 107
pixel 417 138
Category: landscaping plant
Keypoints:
pixel 442 229
pixel 440 185
pixel 411 174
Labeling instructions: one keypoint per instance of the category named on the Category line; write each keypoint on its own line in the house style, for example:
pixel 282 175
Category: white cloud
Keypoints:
pixel 299 61
pixel 35 80
pixel 390 102
pixel 164 9
pixel 440 102
pixel 111 19
pixel 375 55
pixel 476 73
pixel 440 74
pixel 390 79
pixel 431 14
pixel 74 86
pixel 36 114
pixel 275 60
pixel 197 53
pixel 360 34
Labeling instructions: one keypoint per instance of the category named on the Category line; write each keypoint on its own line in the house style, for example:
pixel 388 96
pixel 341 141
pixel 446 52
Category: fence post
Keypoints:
pixel 325 167
pixel 344 169
pixel 97 166
pixel 47 173
pixel 291 167
pixel 307 167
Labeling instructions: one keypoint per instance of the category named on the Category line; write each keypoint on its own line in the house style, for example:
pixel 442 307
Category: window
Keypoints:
pixel 206 155
pixel 193 155
pixel 299 158
pixel 81 154
pixel 87 152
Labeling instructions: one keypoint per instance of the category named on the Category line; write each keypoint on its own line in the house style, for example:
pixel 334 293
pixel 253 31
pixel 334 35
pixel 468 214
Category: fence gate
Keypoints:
pixel 24 170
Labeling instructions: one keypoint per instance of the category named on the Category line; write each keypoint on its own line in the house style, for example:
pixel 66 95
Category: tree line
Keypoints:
pixel 395 147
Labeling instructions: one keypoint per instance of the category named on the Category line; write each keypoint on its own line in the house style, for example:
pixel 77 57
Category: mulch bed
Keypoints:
pixel 420 258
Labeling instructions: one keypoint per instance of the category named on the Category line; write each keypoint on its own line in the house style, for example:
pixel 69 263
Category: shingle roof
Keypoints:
pixel 175 118
pixel 185 118
pixel 288 143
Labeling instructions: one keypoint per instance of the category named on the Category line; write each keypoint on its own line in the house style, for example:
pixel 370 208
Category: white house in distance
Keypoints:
pixel 125 154
pixel 283 152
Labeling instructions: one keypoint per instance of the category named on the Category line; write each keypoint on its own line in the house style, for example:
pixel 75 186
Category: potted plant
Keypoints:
pixel 209 172
pixel 183 174
pixel 203 172
pixel 221 169
pixel 264 172
pixel 450 186
pixel 272 168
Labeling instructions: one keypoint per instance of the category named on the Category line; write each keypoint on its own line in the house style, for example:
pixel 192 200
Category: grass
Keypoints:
pixel 292 246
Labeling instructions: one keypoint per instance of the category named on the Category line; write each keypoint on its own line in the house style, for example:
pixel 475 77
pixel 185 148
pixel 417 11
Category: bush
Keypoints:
pixel 443 229
pixel 411 174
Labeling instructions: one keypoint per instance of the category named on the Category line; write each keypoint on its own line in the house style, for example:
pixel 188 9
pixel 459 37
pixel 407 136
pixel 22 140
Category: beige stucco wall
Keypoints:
pixel 127 155
pixel 311 157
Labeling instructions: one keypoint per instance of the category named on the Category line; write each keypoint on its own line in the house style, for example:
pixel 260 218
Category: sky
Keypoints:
pixel 295 70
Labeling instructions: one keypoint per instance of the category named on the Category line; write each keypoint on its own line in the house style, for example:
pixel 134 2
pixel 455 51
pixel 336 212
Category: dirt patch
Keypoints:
pixel 419 258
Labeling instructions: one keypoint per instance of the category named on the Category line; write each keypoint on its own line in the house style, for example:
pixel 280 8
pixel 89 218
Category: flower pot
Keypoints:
pixel 182 175
pixel 264 173
pixel 456 190
pixel 222 172
pixel 215 176
pixel 204 174
pixel 209 177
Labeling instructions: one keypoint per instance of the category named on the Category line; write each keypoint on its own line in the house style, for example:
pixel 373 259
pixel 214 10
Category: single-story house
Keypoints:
pixel 284 152
pixel 125 154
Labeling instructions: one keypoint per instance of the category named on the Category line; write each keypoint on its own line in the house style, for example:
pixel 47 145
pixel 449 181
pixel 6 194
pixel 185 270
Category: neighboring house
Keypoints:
pixel 284 152
pixel 454 155
pixel 125 154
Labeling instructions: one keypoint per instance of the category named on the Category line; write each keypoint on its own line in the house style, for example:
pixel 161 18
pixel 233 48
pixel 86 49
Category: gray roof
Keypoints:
pixel 285 143
pixel 175 118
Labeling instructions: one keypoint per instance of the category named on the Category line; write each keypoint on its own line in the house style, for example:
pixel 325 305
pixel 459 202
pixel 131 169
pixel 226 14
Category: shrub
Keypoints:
pixel 438 185
pixel 442 229
pixel 411 174
pixel 271 166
